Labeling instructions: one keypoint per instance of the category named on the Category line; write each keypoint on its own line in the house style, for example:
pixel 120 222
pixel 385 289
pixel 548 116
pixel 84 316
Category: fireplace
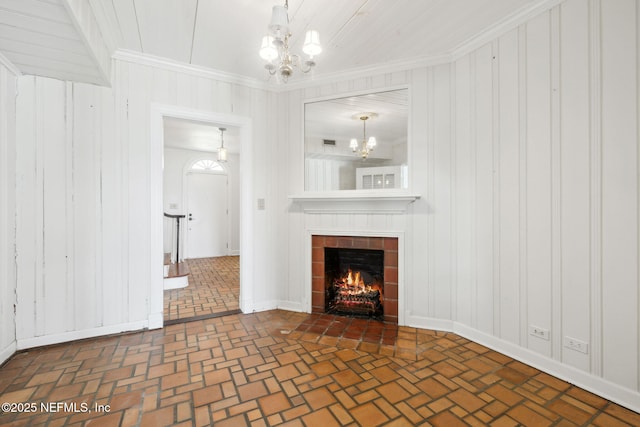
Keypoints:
pixel 354 281
pixel 372 289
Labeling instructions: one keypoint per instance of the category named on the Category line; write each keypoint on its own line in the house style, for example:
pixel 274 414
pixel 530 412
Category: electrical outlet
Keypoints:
pixel 539 332
pixel 576 345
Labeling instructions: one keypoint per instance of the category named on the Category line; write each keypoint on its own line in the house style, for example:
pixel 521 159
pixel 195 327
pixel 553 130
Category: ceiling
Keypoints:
pixel 198 136
pixel 60 38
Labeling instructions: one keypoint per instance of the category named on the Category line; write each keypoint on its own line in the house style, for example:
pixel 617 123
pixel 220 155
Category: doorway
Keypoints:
pixel 207 218
pixel 241 190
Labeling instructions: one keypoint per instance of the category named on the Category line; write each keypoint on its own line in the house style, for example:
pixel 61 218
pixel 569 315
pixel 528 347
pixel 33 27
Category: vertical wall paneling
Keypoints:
pixel 430 183
pixel 556 195
pixel 69 291
pixel 53 193
pixel 619 192
pixel 484 181
pixel 574 177
pixel 7 213
pixel 463 190
pixel 538 187
pixel 523 292
pixel 441 165
pixel 495 185
pixel 508 221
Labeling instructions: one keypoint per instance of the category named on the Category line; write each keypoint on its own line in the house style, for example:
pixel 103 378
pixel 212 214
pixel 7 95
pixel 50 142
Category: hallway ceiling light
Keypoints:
pixel 222 152
pixel 275 46
pixel 366 146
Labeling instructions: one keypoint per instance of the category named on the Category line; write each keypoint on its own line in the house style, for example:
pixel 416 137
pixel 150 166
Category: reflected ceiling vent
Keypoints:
pixel 329 142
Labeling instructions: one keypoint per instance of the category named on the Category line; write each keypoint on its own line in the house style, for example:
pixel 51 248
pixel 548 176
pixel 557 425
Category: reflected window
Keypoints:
pixel 206 165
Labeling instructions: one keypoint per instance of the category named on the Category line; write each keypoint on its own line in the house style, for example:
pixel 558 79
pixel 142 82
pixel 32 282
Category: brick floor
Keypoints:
pixel 268 369
pixel 214 288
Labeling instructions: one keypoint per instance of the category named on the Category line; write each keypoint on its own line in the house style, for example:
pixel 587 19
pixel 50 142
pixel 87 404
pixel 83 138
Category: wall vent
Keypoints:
pixel 329 142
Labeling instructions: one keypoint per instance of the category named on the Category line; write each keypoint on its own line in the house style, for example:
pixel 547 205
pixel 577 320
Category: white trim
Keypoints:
pixel 291 306
pixel 156 320
pixel 502 27
pixel 180 67
pixel 357 201
pixel 365 71
pixel 10 65
pixel 7 352
pixel 82 334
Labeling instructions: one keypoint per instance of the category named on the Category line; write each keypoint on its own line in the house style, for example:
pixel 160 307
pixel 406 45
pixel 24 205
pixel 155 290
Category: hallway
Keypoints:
pixel 214 289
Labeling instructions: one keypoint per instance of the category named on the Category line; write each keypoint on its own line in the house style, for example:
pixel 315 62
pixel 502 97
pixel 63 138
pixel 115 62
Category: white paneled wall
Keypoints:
pixel 525 155
pixel 85 169
pixel 7 212
pixel 546 193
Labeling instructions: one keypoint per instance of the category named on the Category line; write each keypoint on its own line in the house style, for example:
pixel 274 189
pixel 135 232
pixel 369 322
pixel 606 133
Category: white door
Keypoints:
pixel 207 227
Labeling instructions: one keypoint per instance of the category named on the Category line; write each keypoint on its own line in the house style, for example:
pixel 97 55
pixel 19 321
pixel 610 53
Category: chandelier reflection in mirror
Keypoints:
pixel 366 146
pixel 275 46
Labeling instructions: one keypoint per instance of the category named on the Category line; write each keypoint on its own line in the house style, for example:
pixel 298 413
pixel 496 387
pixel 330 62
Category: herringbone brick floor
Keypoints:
pixel 214 288
pixel 271 369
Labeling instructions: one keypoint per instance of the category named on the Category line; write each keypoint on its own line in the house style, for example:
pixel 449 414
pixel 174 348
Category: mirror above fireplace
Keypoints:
pixel 357 142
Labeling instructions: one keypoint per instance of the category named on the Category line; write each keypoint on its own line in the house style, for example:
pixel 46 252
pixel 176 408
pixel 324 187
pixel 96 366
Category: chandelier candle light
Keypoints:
pixel 222 152
pixel 275 46
pixel 366 146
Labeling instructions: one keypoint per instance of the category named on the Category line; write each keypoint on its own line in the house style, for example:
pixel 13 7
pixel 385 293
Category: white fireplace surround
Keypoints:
pixel 356 214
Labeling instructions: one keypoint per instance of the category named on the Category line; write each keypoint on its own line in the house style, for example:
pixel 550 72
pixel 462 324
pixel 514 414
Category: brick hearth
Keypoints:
pixel 390 247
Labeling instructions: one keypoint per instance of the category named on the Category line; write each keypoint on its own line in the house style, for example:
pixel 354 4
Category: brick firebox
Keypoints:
pixel 390 247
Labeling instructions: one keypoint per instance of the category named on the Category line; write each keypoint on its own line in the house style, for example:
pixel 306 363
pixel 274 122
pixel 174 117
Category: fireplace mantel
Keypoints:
pixel 354 201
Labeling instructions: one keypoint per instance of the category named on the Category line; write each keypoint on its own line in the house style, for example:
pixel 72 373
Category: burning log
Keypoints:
pixel 352 296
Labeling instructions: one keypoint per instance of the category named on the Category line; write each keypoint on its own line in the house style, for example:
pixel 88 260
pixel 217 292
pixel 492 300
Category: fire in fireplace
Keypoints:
pixel 354 282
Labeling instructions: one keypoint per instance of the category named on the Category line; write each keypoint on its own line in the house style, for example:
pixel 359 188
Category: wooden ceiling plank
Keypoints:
pixel 128 24
pixel 37 9
pixel 40 39
pixel 167 31
pixel 71 58
pixel 38 25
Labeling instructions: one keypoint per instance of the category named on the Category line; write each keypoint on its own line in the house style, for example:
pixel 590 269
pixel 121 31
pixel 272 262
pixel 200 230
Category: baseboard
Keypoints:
pixel 248 306
pixel 156 320
pixel 235 252
pixel 7 352
pixel 291 306
pixel 79 335
pixel 597 385
pixel 428 323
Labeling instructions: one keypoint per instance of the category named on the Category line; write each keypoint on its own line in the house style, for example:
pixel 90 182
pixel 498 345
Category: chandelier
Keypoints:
pixel 366 146
pixel 222 152
pixel 275 46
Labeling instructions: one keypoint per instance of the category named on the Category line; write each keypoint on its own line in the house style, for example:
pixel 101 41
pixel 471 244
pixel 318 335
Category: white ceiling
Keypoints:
pixel 198 136
pixel 45 37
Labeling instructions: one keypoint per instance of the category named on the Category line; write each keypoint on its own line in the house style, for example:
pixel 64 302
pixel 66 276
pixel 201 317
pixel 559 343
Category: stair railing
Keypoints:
pixel 177 228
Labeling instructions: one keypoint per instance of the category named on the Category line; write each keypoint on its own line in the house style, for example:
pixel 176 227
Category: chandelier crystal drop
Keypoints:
pixel 366 146
pixel 275 46
pixel 222 152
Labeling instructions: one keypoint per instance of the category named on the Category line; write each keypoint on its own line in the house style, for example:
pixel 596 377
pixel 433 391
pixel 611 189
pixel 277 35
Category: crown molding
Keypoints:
pixel 9 65
pixel 472 43
pixel 502 27
pixel 195 70
pixel 365 71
